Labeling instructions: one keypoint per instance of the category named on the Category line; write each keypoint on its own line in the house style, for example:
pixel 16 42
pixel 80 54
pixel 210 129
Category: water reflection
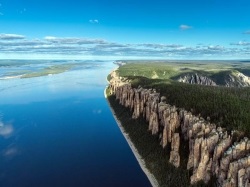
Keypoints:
pixel 6 130
pixel 58 131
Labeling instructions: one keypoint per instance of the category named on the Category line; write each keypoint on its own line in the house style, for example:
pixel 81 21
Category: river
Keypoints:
pixel 58 130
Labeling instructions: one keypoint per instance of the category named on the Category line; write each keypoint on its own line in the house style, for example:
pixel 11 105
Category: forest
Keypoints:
pixel 156 158
pixel 227 107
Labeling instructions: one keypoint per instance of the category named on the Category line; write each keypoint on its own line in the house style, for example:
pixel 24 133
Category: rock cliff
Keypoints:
pixel 212 151
pixel 237 80
pixel 231 79
pixel 197 79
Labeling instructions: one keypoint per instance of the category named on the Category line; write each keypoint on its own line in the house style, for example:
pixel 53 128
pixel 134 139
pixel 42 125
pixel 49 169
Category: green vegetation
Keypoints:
pixel 149 70
pixel 14 73
pixel 224 106
pixel 228 107
pixel 172 70
pixel 109 77
pixel 156 158
pixel 56 69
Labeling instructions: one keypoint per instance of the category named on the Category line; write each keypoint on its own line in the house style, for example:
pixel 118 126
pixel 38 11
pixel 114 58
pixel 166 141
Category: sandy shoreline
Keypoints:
pixel 138 157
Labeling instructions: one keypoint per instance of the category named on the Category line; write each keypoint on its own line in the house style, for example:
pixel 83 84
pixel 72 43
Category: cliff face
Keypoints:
pixel 212 151
pixel 197 79
pixel 235 79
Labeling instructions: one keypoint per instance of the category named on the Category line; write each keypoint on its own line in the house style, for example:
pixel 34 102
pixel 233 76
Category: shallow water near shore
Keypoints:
pixel 58 130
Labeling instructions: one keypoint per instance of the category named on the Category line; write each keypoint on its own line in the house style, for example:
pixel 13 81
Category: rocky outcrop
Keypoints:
pixel 212 152
pixel 197 79
pixel 230 79
pixel 237 80
pixel 174 154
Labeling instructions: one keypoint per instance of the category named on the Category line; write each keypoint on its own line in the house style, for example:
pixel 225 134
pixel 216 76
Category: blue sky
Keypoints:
pixel 177 29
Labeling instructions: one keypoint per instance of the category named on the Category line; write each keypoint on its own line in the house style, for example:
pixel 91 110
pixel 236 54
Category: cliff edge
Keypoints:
pixel 212 151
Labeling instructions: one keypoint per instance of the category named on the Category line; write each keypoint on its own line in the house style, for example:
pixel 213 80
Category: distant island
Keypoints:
pixel 40 68
pixel 187 122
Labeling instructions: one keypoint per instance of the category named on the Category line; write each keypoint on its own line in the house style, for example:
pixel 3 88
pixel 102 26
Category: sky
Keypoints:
pixel 125 29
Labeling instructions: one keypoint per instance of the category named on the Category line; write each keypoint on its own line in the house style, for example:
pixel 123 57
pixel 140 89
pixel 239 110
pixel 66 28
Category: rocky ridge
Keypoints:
pixel 236 79
pixel 212 151
pixel 197 79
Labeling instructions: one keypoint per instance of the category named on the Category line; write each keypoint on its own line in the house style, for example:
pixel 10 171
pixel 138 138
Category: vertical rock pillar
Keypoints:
pixel 174 154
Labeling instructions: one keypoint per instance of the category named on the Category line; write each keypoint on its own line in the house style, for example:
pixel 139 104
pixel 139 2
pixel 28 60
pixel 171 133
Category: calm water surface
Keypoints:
pixel 58 131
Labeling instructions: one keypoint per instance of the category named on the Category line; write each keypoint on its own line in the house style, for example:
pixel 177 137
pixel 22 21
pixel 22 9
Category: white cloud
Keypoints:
pixel 92 48
pixel 72 40
pixel 159 46
pixel 185 27
pixel 4 36
pixel 215 47
pixel 50 38
pixel 241 43
pixel 94 21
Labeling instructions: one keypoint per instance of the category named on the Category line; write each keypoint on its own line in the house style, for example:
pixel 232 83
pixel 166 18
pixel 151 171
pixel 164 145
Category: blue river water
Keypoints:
pixel 58 131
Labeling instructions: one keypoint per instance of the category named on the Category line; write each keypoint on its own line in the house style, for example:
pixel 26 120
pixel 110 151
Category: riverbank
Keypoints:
pixel 138 157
